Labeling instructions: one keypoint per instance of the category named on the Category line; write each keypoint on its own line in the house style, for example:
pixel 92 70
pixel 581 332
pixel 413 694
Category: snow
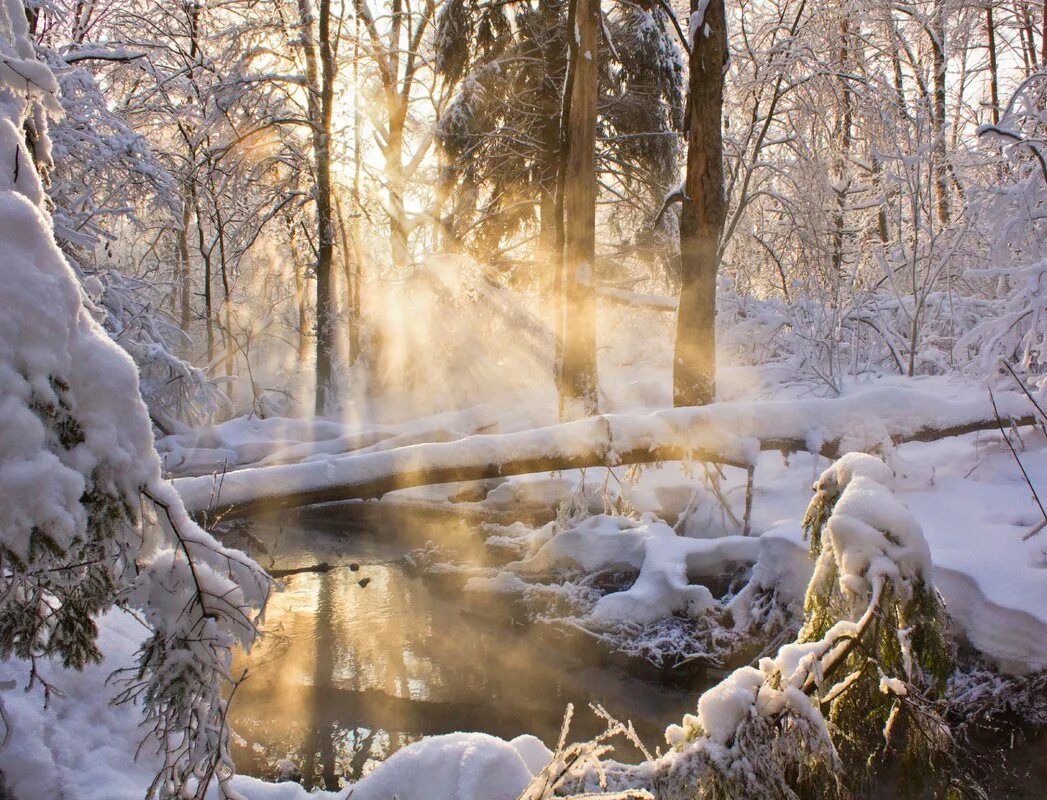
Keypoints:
pixel 992 581
pixel 698 21
pixel 83 500
pixel 663 587
pixel 721 710
pixel 871 540
pixel 732 431
pixel 251 440
pixel 956 513
pixel 457 766
pixel 862 519
pixel 81 746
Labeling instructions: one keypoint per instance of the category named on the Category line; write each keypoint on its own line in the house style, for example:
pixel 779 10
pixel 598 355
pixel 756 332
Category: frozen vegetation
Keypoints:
pixel 764 399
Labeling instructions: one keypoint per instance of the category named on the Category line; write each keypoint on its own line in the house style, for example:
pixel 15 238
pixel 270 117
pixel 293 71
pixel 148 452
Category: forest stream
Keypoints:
pixel 365 658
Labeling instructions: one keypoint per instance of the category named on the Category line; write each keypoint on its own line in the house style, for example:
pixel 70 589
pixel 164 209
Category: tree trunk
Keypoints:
pixel 299 290
pixel 205 254
pixel 1030 37
pixel 394 171
pixel 351 275
pixel 994 72
pixel 577 191
pixel 185 266
pixel 844 129
pixel 675 435
pixel 229 345
pixel 355 322
pixel 703 214
pixel 941 167
pixel 320 73
pixel 549 155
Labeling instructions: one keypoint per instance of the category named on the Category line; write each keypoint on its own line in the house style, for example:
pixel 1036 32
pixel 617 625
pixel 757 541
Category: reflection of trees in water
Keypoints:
pixel 362 643
pixel 277 643
pixel 319 742
pixel 347 674
pixel 355 749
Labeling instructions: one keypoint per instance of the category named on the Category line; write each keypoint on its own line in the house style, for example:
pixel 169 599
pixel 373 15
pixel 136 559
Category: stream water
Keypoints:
pixel 359 662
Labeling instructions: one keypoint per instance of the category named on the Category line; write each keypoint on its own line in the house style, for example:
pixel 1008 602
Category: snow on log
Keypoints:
pixel 731 433
pixel 253 442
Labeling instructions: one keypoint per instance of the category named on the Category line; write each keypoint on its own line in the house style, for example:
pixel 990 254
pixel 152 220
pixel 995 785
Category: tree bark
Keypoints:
pixel 844 130
pixel 320 73
pixel 994 72
pixel 185 266
pixel 549 155
pixel 703 214
pixel 355 321
pixel 351 275
pixel 577 193
pixel 299 289
pixel 941 167
pixel 205 255
pixel 394 173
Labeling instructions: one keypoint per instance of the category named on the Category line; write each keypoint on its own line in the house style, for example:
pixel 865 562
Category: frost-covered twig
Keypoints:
pixel 1021 466
pixel 582 757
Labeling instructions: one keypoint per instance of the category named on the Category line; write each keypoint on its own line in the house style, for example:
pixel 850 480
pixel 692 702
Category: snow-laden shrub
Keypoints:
pixel 85 520
pixel 96 155
pixel 811 342
pixel 859 688
pixel 177 394
pixel 1016 330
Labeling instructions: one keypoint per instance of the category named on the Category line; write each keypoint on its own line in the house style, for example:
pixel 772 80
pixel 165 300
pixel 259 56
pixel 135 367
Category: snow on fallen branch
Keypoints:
pixel 728 433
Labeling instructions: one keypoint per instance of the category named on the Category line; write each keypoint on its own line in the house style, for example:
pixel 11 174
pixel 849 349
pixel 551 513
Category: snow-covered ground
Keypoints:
pixel 966 492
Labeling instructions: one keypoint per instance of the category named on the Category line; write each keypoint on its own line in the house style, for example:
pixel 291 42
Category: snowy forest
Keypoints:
pixel 523 399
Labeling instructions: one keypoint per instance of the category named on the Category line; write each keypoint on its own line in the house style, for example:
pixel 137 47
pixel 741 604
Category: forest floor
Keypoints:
pixel 969 494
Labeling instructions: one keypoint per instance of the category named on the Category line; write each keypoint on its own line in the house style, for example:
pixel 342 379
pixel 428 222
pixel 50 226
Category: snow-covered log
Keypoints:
pixel 255 442
pixel 728 433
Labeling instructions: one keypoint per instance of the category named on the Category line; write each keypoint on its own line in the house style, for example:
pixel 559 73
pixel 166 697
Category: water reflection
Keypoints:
pixel 349 673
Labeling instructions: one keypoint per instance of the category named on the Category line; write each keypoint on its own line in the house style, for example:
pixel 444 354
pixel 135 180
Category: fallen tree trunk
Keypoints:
pixel 731 433
pixel 190 461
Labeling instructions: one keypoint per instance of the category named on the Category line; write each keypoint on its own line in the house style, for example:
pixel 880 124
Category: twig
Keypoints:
pixel 747 527
pixel 1021 466
pixel 1022 386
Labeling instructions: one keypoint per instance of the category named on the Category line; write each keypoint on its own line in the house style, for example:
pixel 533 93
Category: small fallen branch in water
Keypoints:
pixel 286 573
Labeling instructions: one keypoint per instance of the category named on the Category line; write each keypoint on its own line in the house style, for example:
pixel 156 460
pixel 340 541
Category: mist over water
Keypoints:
pixel 348 673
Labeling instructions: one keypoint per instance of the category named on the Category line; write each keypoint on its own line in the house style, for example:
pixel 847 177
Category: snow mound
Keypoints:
pixel 664 586
pixel 457 766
